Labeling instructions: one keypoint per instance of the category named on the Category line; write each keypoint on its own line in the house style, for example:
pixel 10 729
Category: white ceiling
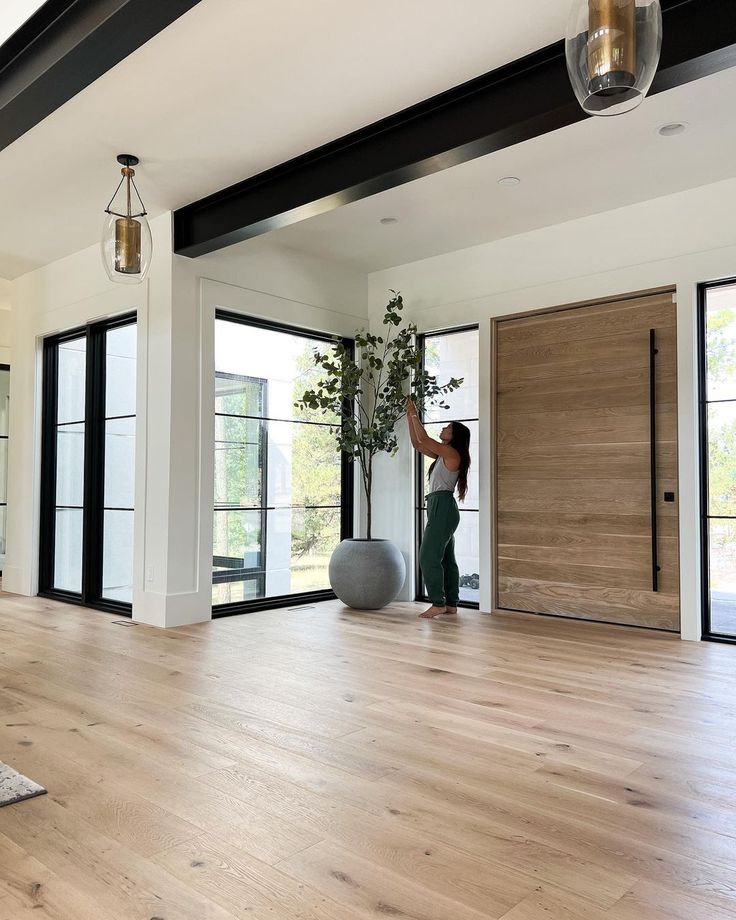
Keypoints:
pixel 594 166
pixel 14 13
pixel 236 86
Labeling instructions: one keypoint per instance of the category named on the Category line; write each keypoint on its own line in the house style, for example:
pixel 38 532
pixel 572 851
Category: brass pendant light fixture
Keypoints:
pixel 612 49
pixel 126 236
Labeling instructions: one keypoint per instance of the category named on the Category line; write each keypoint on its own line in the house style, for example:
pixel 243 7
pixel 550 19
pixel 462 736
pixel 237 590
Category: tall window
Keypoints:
pixel 454 354
pixel 88 467
pixel 718 457
pixel 282 489
pixel 4 429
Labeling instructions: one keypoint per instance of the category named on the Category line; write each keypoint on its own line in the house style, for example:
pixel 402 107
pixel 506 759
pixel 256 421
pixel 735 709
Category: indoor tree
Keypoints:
pixel 368 391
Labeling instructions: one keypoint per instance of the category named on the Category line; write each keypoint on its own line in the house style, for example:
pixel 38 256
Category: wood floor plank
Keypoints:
pixel 369 890
pixel 33 890
pixel 326 764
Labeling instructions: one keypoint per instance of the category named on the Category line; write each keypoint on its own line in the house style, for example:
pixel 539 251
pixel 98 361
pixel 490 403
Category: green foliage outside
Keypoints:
pixel 721 352
pixel 721 368
pixel 315 475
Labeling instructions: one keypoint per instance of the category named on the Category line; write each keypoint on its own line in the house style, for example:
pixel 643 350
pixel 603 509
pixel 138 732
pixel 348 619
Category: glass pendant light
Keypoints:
pixel 612 49
pixel 126 237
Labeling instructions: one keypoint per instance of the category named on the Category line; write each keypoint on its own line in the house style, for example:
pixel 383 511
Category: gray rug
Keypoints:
pixel 14 787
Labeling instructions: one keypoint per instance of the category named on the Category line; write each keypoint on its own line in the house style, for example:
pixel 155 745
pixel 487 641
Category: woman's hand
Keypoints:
pixel 411 409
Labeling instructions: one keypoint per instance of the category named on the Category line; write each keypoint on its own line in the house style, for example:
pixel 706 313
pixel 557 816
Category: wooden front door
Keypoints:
pixel 585 473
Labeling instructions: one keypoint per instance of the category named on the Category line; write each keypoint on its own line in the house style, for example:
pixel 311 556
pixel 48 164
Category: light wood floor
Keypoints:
pixel 329 765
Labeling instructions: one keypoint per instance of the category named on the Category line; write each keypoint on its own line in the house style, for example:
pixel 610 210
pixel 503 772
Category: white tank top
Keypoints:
pixel 442 479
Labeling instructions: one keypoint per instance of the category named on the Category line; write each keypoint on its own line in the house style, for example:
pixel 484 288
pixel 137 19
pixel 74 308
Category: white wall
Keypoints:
pixel 175 395
pixel 682 239
pixel 5 321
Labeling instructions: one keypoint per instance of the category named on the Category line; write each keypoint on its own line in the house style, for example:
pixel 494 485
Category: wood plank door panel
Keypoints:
pixel 573 521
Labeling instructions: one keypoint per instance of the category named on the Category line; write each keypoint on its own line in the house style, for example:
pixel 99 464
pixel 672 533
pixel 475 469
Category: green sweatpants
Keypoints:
pixel 437 554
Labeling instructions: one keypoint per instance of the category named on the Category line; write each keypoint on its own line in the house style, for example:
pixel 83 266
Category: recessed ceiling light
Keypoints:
pixel 676 127
pixel 509 182
pixel 389 220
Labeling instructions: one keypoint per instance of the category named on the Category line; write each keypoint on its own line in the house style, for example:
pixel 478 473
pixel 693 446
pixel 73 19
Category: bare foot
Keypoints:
pixel 449 609
pixel 433 612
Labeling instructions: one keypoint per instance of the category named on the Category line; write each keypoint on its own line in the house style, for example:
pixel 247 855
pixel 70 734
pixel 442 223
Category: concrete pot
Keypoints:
pixel 367 574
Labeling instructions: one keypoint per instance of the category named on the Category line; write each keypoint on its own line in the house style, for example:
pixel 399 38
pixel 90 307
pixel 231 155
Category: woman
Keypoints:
pixel 449 471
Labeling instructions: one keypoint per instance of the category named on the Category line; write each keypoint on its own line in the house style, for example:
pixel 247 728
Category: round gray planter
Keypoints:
pixel 367 574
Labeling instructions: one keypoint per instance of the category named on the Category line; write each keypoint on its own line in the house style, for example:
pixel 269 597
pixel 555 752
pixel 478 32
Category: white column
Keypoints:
pixel 172 573
pixel 688 461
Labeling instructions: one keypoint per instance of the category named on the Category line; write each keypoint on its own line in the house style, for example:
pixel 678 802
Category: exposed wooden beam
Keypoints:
pixel 65 46
pixel 522 100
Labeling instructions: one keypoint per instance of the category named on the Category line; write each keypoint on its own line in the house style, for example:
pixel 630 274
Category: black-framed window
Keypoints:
pixel 717 372
pixel 283 492
pixel 446 354
pixel 88 465
pixel 4 443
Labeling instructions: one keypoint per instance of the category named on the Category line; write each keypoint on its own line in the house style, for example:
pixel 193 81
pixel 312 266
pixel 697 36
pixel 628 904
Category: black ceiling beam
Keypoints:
pixel 522 100
pixel 65 46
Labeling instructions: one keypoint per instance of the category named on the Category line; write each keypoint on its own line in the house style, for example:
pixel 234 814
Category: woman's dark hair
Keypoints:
pixel 461 442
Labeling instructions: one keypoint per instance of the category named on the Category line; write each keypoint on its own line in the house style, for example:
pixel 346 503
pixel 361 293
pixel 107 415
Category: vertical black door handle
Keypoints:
pixel 653 351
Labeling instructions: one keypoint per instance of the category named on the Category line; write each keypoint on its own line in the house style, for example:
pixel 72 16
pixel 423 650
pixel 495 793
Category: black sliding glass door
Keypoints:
pixel 88 465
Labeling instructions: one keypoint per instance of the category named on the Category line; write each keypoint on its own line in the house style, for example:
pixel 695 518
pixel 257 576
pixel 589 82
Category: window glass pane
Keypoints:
pixel 3 470
pixel 239 395
pixel 237 555
pixel 272 467
pixel 454 355
pixel 722 553
pixel 300 542
pixel 70 465
pixel 119 487
pixel 316 464
pixel 117 560
pixel 315 533
pixel 3 531
pixel 247 587
pixel 282 359
pixel 4 400
pixel 722 458
pixel 239 451
pixel 238 543
pixel 120 370
pixel 72 362
pixel 120 463
pixel 68 550
pixel 721 342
